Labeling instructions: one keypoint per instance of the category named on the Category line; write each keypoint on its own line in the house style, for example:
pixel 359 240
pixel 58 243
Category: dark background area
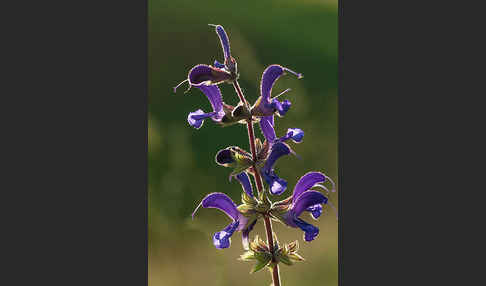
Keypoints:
pixel 300 35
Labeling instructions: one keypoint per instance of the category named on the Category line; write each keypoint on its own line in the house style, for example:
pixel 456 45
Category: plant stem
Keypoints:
pixel 236 85
pixel 259 185
pixel 275 269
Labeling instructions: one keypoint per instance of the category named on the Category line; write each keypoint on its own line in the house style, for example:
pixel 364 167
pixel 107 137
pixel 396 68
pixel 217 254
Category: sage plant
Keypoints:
pixel 259 162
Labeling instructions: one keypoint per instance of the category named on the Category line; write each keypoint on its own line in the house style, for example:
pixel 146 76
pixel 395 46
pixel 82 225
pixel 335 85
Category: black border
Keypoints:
pixel 76 181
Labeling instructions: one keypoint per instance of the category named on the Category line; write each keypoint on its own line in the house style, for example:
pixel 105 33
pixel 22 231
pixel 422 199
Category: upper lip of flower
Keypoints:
pixel 265 106
pixel 229 62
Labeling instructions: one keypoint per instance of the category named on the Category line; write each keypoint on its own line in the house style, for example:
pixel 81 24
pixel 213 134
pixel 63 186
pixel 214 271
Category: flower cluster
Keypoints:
pixel 259 162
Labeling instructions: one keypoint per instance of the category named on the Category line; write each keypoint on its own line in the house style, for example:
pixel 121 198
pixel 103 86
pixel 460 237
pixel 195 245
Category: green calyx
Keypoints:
pixel 279 209
pixel 264 204
pixel 234 115
pixel 241 160
pixel 258 252
pixel 288 253
pixel 254 206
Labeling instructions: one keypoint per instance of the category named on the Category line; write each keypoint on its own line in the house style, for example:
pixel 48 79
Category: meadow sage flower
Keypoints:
pixel 304 199
pixel 223 114
pixel 212 75
pixel 212 92
pixel 222 239
pixel 265 105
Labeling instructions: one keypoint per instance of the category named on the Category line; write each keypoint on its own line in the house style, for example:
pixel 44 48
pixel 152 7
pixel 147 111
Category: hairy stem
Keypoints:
pixel 259 185
pixel 275 270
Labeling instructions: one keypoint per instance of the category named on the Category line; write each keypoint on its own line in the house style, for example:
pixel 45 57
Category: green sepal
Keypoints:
pixel 258 245
pixel 246 199
pixel 246 210
pixel 262 261
pixel 288 254
pixel 242 160
pixel 264 204
pixel 247 256
pixel 279 209
pixel 296 257
pixel 293 246
pixel 258 251
pixel 284 258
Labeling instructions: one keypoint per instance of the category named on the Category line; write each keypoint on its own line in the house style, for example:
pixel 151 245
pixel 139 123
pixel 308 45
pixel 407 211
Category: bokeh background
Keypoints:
pixel 301 35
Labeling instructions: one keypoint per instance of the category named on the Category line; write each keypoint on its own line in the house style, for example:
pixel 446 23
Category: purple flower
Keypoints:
pixel 266 106
pixel 212 75
pixel 267 128
pixel 229 62
pixel 245 183
pixel 304 199
pixel 222 239
pixel 277 185
pixel 205 75
pixel 196 118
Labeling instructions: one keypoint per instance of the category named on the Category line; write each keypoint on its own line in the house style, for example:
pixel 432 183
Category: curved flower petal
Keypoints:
pixel 245 235
pixel 310 231
pixel 306 182
pixel 207 75
pixel 269 77
pixel 277 184
pixel 224 157
pixel 222 202
pixel 213 93
pixel 245 183
pixel 223 38
pixel 278 150
pixel 266 126
pixel 306 200
pixel 196 118
pixel 222 239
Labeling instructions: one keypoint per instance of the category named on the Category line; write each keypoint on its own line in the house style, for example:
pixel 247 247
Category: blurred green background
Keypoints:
pixel 300 35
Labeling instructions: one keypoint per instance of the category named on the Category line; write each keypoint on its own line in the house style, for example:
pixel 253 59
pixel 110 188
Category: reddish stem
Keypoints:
pixel 259 185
